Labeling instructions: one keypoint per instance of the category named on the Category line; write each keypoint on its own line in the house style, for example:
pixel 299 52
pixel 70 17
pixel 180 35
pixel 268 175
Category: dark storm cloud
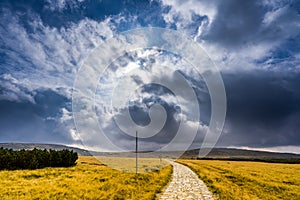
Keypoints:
pixel 26 121
pixel 240 23
pixel 233 24
pixel 263 109
pixel 139 111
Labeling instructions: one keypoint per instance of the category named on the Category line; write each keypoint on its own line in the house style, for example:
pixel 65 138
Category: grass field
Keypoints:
pixel 129 164
pixel 89 179
pixel 248 180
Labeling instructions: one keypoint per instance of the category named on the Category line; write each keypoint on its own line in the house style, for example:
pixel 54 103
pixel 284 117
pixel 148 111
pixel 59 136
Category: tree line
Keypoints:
pixel 36 158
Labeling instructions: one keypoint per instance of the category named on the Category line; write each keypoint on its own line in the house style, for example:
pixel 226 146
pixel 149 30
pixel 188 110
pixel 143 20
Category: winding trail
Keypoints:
pixel 185 184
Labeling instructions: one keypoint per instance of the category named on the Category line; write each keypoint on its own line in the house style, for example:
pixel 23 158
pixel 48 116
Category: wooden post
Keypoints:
pixel 136 152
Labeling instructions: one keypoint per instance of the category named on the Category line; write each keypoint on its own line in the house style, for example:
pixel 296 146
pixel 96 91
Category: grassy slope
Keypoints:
pixel 88 180
pixel 248 180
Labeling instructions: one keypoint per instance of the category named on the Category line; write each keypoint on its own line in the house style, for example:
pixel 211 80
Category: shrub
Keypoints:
pixel 36 158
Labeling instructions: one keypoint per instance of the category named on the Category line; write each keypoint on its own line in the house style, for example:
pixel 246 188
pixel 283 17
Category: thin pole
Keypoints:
pixel 136 152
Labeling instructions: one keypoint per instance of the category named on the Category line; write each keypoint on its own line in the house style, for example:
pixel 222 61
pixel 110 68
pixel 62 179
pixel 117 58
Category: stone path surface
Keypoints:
pixel 185 184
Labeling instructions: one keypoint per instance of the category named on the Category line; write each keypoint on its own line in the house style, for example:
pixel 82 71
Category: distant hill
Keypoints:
pixel 29 146
pixel 240 153
pixel 217 153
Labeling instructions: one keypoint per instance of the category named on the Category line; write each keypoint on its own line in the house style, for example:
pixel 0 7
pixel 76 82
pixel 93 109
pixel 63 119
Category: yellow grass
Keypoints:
pixel 88 180
pixel 129 164
pixel 248 180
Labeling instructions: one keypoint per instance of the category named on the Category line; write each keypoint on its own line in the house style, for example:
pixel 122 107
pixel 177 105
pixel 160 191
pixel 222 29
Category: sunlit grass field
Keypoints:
pixel 89 179
pixel 126 164
pixel 248 180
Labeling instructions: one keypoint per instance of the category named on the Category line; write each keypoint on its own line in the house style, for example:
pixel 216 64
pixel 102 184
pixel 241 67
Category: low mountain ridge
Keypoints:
pixel 216 153
pixel 29 146
pixel 232 153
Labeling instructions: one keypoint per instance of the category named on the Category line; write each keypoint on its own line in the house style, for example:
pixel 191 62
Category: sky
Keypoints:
pixel 254 44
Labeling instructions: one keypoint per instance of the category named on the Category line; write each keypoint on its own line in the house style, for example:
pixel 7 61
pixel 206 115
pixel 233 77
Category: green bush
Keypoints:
pixel 36 158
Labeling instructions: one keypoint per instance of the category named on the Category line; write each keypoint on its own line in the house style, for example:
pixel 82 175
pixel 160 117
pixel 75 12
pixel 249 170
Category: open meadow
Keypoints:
pixel 89 179
pixel 248 180
pixel 126 164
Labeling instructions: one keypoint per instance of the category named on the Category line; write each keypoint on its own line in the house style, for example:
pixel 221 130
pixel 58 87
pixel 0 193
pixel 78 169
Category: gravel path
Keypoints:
pixel 185 184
